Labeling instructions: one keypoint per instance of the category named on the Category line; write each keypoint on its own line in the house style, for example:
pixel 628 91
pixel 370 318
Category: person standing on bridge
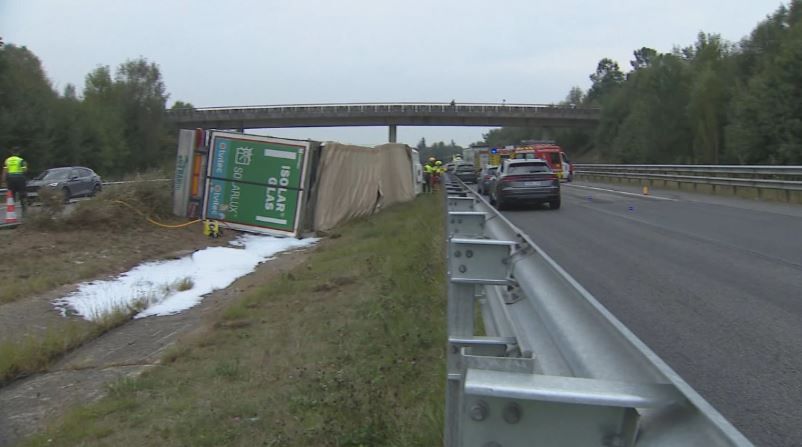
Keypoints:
pixel 14 170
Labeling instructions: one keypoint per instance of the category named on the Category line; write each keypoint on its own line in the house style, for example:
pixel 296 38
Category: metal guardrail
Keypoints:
pixel 4 191
pixel 555 367
pixel 762 177
pixel 137 181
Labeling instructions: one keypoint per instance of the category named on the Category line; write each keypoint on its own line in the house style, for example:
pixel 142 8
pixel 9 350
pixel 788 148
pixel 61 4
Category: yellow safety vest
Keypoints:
pixel 15 165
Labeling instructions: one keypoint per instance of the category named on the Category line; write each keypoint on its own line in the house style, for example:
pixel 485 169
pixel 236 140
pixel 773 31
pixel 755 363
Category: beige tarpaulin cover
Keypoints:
pixel 397 181
pixel 354 181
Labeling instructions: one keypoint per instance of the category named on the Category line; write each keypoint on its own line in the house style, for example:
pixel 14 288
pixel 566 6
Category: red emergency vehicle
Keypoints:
pixel 551 153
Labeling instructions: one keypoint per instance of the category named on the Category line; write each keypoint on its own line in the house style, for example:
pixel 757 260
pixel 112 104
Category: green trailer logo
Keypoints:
pixel 256 183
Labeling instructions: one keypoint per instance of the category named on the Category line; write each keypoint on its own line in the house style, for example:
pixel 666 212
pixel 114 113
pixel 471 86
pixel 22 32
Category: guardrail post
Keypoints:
pixel 472 262
pixel 466 223
pixel 456 203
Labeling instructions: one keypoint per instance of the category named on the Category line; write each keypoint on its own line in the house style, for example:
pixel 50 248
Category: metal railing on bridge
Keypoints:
pixel 554 366
pixel 399 107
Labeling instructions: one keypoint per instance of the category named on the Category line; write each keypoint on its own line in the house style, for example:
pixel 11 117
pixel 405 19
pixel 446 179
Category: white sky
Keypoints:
pixel 238 52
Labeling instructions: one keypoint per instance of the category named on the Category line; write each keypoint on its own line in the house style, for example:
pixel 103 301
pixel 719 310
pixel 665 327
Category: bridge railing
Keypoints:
pixel 786 178
pixel 553 367
pixel 401 108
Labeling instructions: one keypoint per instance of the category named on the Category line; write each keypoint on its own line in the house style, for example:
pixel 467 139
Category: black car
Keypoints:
pixel 75 181
pixel 465 172
pixel 525 181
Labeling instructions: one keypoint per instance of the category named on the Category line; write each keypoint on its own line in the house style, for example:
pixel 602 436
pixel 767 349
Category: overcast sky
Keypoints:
pixel 237 52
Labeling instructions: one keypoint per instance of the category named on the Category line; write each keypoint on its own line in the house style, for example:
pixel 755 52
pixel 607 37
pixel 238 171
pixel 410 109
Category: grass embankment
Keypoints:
pixel 34 353
pixel 56 247
pixel 347 350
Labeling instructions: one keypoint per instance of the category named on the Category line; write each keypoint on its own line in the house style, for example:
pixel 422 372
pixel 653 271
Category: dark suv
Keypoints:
pixel 75 181
pixel 525 181
pixel 465 172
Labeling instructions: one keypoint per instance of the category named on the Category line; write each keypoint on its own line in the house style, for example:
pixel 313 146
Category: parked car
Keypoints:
pixel 74 181
pixel 525 181
pixel 465 172
pixel 486 179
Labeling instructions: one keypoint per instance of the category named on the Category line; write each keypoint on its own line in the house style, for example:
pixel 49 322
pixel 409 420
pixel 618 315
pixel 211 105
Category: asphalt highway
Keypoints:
pixel 713 286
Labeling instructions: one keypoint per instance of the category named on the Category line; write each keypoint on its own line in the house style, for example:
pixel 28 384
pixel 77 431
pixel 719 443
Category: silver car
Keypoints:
pixel 75 181
pixel 486 179
pixel 525 181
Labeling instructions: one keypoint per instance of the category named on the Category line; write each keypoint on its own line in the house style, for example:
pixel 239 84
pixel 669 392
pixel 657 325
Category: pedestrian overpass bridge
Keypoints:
pixel 385 114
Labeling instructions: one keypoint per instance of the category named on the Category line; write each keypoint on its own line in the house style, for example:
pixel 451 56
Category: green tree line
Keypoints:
pixel 115 126
pixel 713 102
pixel 440 150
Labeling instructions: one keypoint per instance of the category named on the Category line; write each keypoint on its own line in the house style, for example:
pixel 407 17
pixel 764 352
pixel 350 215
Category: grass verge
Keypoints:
pixel 34 353
pixel 345 350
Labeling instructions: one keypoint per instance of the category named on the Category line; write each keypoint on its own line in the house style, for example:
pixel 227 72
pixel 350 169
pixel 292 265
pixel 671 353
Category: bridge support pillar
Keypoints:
pixel 393 137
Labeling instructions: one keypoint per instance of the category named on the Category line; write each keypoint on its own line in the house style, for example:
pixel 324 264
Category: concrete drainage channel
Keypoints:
pixel 555 367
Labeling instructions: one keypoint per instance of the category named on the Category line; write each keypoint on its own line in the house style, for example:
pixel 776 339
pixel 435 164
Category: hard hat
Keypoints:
pixel 431 158
pixel 438 162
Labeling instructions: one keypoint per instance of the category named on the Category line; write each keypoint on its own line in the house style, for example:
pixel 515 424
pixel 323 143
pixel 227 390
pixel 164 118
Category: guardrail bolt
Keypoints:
pixel 512 413
pixel 479 411
pixel 468 253
pixel 457 254
pixel 462 269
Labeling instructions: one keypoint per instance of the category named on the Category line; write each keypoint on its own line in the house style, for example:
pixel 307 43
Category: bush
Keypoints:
pixel 46 217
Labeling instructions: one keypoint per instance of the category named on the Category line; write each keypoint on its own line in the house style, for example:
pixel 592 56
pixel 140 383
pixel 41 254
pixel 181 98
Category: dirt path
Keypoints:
pixel 29 405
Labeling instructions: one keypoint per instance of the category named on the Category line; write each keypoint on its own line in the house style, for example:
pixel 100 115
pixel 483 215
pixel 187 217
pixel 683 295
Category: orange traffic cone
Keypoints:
pixel 11 211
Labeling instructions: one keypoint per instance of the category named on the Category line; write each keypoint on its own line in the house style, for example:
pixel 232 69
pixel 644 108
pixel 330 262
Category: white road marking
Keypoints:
pixel 624 192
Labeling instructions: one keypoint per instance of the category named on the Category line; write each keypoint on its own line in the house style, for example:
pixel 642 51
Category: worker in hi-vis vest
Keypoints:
pixel 428 174
pixel 439 170
pixel 14 170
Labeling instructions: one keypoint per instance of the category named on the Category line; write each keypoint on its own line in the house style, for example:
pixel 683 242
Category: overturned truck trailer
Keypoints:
pixel 286 187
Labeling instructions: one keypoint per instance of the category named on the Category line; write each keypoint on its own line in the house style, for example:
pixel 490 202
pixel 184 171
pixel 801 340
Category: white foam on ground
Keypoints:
pixel 155 283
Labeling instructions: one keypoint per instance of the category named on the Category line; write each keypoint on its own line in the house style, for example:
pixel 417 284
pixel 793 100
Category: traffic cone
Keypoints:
pixel 11 210
pixel 645 190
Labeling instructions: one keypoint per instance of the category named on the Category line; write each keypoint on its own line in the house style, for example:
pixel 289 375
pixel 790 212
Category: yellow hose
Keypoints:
pixel 153 221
